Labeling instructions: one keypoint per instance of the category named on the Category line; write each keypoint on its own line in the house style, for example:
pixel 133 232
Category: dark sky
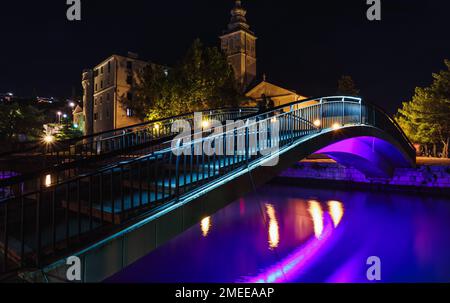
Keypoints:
pixel 303 45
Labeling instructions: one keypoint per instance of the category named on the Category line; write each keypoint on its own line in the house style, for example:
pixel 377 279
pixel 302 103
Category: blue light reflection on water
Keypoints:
pixel 291 234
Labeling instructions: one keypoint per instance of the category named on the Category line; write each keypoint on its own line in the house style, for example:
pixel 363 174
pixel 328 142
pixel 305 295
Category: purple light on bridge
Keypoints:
pixel 372 156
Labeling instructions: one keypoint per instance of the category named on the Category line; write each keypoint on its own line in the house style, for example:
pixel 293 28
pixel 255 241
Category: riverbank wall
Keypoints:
pixel 426 179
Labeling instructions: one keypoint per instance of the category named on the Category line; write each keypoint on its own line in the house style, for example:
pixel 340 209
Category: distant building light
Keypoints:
pixel 129 112
pixel 75 125
pixel 65 116
pixel 72 104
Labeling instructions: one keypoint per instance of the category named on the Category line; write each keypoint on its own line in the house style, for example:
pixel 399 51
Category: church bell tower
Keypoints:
pixel 239 44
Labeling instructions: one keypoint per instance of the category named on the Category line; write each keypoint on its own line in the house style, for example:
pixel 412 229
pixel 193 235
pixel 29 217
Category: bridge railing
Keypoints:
pixel 61 218
pixel 61 160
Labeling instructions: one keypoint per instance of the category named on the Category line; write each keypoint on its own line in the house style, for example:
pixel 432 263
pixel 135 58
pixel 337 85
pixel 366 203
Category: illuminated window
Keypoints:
pixel 129 112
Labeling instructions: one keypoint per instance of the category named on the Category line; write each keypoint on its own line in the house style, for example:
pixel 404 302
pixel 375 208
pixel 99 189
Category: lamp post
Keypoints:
pixel 59 114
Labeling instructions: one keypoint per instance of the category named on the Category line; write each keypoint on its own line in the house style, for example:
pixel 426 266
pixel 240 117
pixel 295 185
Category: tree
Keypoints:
pixel 68 131
pixel 203 79
pixel 347 87
pixel 17 120
pixel 426 118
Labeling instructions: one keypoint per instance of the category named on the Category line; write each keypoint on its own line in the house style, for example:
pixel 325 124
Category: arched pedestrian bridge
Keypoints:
pixel 173 187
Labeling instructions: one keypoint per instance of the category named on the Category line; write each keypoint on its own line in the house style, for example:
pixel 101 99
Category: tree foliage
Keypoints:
pixel 68 131
pixel 17 120
pixel 426 118
pixel 347 87
pixel 203 79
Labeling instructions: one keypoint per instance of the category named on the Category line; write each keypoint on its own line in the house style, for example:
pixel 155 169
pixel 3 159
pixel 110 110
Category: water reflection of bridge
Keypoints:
pixel 164 191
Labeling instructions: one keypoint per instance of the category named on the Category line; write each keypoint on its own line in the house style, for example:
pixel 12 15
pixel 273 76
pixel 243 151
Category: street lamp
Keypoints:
pixel 72 104
pixel 59 117
pixel 336 126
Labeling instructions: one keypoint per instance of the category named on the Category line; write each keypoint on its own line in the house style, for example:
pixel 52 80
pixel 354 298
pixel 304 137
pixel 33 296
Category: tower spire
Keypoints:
pixel 238 18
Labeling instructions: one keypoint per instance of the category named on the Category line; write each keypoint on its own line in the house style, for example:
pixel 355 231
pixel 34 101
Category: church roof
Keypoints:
pixel 78 110
pixel 270 90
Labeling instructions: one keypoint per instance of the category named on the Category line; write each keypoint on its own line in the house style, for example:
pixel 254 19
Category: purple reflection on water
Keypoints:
pixel 290 234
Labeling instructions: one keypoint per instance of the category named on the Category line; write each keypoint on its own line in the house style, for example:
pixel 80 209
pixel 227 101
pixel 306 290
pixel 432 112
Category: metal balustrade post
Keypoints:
pixel 360 112
pixel 321 114
pixel 177 173
pixel 292 123
pixel 247 144
pixel 343 111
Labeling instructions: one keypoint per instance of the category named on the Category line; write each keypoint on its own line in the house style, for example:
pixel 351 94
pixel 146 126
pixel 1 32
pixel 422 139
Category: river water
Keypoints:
pixel 292 234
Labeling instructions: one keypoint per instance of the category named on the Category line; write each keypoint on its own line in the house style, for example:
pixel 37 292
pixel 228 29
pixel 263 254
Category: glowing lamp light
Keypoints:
pixel 48 139
pixel 317 123
pixel 316 212
pixel 72 104
pixel 59 113
pixel 336 209
pixel 336 126
pixel 205 124
pixel 48 181
pixel 205 226
pixel 157 126
pixel 274 120
pixel 274 229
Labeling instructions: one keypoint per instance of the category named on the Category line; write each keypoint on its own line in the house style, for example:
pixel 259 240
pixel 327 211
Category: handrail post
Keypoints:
pixel 177 171
pixel 321 113
pixel 343 111
pixel 247 144
pixel 360 113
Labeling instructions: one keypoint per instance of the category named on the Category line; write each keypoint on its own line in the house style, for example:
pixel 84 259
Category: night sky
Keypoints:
pixel 303 45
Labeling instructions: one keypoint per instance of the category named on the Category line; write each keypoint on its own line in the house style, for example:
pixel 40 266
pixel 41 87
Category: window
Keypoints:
pixel 129 112
pixel 130 80
pixel 96 87
pixel 101 84
pixel 129 65
pixel 130 96
pixel 95 73
pixel 95 102
pixel 107 114
pixel 95 116
pixel 101 100
pixel 108 97
pixel 101 70
pixel 109 66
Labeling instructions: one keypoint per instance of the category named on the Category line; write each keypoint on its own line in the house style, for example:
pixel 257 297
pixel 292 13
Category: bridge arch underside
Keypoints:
pixel 370 150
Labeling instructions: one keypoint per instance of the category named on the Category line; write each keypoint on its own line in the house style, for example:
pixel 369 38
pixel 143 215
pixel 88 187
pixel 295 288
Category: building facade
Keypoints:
pixel 239 44
pixel 104 89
